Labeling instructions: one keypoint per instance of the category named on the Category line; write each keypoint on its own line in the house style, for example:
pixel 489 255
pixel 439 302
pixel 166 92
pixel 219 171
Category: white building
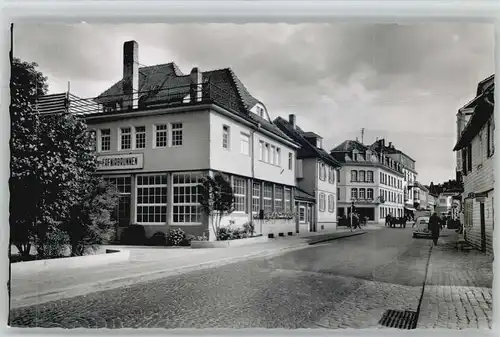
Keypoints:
pixel 373 181
pixel 159 131
pixel 477 147
pixel 410 185
pixel 316 173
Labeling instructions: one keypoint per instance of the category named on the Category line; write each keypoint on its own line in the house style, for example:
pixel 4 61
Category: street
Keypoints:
pixel 343 283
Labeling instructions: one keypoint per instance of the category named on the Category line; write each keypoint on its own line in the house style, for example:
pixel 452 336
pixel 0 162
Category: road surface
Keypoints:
pixel 339 284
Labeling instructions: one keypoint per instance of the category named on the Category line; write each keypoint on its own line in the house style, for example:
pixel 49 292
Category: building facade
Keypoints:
pixel 159 132
pixel 476 144
pixel 316 173
pixel 370 180
pixel 408 165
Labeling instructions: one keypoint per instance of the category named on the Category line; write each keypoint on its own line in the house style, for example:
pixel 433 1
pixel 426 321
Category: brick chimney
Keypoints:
pixel 291 120
pixel 196 85
pixel 130 74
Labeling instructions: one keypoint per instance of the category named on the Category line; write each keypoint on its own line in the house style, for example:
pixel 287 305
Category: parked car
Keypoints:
pixel 422 228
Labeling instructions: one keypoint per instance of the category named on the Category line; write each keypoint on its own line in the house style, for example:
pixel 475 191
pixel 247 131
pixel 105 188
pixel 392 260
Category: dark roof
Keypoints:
pixel 481 88
pixel 164 81
pixel 482 113
pixel 311 134
pixel 378 147
pixel 303 195
pixel 307 149
pixel 349 145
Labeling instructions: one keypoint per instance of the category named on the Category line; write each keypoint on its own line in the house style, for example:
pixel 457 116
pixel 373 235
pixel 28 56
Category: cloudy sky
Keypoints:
pixel 401 83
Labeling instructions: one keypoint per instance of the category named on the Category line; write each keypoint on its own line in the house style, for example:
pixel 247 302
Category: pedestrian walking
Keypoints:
pixel 435 227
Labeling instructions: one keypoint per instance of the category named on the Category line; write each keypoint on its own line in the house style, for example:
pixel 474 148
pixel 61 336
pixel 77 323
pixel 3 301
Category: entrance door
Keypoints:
pixel 310 218
pixel 483 227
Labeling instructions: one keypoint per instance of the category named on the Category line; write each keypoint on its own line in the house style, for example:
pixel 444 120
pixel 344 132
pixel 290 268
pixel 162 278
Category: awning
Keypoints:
pixel 411 209
pixel 303 196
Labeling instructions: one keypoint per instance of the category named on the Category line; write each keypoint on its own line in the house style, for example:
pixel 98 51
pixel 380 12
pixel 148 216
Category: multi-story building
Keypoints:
pixel 370 180
pixel 463 116
pixel 316 173
pixel 159 131
pixel 476 144
pixel 410 189
pixel 423 200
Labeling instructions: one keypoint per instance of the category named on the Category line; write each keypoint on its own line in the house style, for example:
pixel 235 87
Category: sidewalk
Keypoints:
pixel 458 288
pixel 145 264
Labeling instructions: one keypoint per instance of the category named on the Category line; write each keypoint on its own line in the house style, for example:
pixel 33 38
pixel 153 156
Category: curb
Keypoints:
pixel 337 237
pixel 92 287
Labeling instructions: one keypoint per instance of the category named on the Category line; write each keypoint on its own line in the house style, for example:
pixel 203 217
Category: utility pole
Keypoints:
pixel 11 43
pixel 362 135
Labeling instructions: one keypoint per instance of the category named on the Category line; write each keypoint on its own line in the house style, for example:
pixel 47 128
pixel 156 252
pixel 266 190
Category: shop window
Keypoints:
pixel 151 199
pixel 186 207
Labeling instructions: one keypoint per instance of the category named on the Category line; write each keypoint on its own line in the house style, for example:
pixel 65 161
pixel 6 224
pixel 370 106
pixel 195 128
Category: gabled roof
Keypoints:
pixel 307 149
pixel 377 146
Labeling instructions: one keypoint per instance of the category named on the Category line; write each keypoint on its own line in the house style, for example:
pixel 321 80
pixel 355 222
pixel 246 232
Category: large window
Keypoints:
pixel 225 137
pixel 354 193
pixel 278 156
pixel 362 176
pixel 152 199
pixel 176 134
pixel 268 198
pixel 161 136
pixel 290 160
pixel 288 200
pixel 354 175
pixel 278 199
pixel 140 137
pixel 123 186
pixel 331 203
pixel 261 150
pixel 256 197
pixel 186 207
pixel 369 176
pixel 322 171
pixel 362 194
pixel 240 192
pixel 369 194
pixel 125 138
pixel 245 144
pixel 322 202
pixel 105 139
pixel 273 155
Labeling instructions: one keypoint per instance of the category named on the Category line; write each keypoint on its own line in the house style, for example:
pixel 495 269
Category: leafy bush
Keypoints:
pixel 175 237
pixel 249 228
pixel 158 239
pixel 224 233
pixel 54 245
pixel 134 235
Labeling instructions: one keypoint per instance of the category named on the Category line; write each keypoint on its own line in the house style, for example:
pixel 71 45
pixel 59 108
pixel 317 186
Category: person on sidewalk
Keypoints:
pixel 435 227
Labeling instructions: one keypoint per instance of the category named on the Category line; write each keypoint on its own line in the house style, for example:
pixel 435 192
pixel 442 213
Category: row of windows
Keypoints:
pixel 362 176
pixel 484 151
pixel 322 202
pixel 131 138
pixel 151 197
pixel 385 160
pixel 323 169
pixel 389 180
pixel 391 196
pixel 268 153
pixel 397 212
pixel 362 193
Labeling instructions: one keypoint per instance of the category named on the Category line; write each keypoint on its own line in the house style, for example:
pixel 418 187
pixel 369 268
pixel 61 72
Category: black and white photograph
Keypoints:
pixel 333 175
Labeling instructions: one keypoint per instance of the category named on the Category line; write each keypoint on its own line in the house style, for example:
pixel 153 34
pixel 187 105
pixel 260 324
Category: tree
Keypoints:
pixel 90 222
pixel 216 199
pixel 26 84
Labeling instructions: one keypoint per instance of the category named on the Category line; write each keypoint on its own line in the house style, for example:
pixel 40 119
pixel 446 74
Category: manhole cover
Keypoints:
pixel 399 319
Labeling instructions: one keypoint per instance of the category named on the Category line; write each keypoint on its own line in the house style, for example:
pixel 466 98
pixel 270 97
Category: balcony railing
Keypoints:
pixel 206 93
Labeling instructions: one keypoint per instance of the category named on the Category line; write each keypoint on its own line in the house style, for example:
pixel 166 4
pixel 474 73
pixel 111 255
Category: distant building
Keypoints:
pixel 410 191
pixel 477 148
pixel 423 194
pixel 373 181
pixel 316 173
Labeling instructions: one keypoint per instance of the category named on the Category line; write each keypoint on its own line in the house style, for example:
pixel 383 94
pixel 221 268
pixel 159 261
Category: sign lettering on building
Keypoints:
pixel 120 162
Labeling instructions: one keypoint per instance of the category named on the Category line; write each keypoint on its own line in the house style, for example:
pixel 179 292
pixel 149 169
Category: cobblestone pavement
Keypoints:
pixel 345 283
pixel 458 291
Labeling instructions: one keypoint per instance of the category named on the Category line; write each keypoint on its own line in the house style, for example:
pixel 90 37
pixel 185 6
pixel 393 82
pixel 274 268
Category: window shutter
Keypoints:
pixel 469 158
pixel 464 161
